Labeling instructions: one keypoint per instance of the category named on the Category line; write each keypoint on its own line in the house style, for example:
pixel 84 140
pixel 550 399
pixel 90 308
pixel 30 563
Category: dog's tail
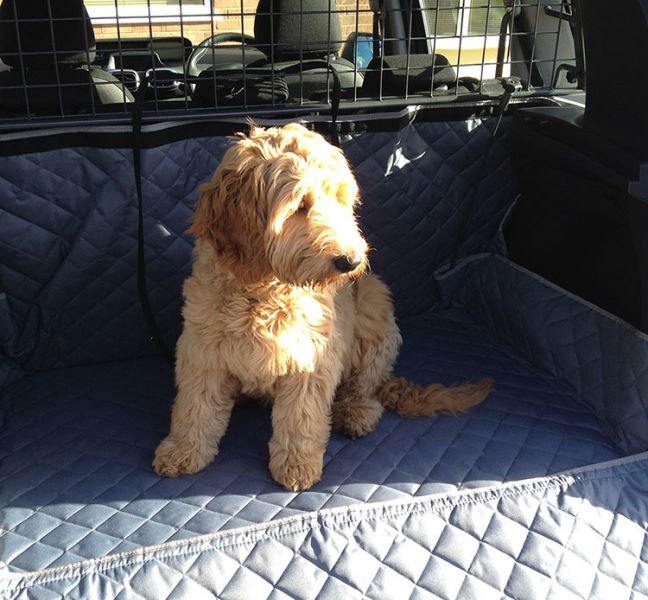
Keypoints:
pixel 408 400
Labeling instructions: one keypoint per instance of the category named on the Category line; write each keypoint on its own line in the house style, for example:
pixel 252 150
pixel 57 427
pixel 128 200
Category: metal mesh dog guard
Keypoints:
pixel 75 61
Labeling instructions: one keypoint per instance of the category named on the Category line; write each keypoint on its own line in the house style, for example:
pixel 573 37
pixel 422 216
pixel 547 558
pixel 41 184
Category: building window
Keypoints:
pixel 456 18
pixel 478 14
pixel 466 32
pixel 441 17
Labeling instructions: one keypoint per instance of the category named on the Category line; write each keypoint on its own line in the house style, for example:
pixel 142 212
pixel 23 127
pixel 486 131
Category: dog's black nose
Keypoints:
pixel 345 264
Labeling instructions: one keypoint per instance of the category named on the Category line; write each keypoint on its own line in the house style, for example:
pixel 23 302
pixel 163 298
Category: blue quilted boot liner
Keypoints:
pixel 78 442
pixel 497 502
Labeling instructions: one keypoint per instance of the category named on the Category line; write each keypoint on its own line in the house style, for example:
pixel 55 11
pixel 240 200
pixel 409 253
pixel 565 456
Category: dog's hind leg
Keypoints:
pixel 369 387
pixel 357 409
pixel 200 413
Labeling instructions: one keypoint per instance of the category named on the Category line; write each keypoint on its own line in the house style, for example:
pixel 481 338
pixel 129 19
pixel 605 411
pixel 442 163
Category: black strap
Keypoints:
pixel 335 107
pixel 142 290
pixel 336 92
pixel 510 85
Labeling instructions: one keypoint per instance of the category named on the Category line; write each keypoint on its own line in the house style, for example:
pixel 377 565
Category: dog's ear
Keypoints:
pixel 208 222
pixel 229 215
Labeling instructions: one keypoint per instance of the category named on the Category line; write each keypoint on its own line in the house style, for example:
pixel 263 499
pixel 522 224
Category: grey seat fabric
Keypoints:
pixel 401 74
pixel 296 30
pixel 63 92
pixel 214 53
pixel 108 88
pixel 50 47
pixel 300 42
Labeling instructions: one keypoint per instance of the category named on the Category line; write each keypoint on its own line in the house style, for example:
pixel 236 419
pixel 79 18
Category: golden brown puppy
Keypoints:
pixel 278 307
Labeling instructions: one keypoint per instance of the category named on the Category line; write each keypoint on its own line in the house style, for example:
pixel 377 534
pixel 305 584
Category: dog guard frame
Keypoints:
pixel 460 48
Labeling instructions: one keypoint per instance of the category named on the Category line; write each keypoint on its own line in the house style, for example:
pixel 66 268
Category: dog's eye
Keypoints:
pixel 303 207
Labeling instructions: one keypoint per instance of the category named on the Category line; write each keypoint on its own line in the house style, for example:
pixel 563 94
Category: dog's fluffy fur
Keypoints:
pixel 268 313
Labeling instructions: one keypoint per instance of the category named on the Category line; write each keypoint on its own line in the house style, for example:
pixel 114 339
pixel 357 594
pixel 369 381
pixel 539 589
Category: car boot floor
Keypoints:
pixel 76 447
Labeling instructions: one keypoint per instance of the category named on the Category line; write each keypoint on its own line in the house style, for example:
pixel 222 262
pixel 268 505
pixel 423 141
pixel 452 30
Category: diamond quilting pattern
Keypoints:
pixel 603 360
pixel 68 232
pixel 77 445
pixel 413 215
pixel 173 174
pixel 67 238
pixel 519 541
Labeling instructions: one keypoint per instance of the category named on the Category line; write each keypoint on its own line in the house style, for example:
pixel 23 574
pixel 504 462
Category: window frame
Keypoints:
pixel 159 13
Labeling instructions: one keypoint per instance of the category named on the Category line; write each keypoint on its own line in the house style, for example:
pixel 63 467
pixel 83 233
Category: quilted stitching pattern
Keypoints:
pixel 412 216
pixel 71 269
pixel 605 362
pixel 172 175
pixel 76 443
pixel 68 247
pixel 77 447
pixel 68 225
pixel 569 537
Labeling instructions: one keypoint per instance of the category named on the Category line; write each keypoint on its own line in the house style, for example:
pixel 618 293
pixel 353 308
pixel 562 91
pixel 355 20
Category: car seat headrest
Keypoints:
pixel 45 32
pixel 396 74
pixel 293 29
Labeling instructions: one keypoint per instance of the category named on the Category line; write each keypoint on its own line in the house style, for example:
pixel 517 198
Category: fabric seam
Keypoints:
pixel 336 517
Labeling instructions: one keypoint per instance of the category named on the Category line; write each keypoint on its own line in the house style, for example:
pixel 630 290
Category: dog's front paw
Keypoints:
pixel 295 471
pixel 175 457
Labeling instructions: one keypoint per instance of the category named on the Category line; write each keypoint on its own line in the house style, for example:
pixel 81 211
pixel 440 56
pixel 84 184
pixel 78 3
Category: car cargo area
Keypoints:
pixel 501 162
pixel 82 416
pixel 78 482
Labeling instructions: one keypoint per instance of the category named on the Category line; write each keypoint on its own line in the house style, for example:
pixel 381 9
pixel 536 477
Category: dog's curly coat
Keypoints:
pixel 278 306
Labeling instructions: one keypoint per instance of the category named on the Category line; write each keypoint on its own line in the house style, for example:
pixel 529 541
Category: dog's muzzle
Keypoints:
pixel 346 264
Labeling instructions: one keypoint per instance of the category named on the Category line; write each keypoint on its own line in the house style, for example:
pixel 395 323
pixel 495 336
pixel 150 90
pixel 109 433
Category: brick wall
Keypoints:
pixel 228 18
